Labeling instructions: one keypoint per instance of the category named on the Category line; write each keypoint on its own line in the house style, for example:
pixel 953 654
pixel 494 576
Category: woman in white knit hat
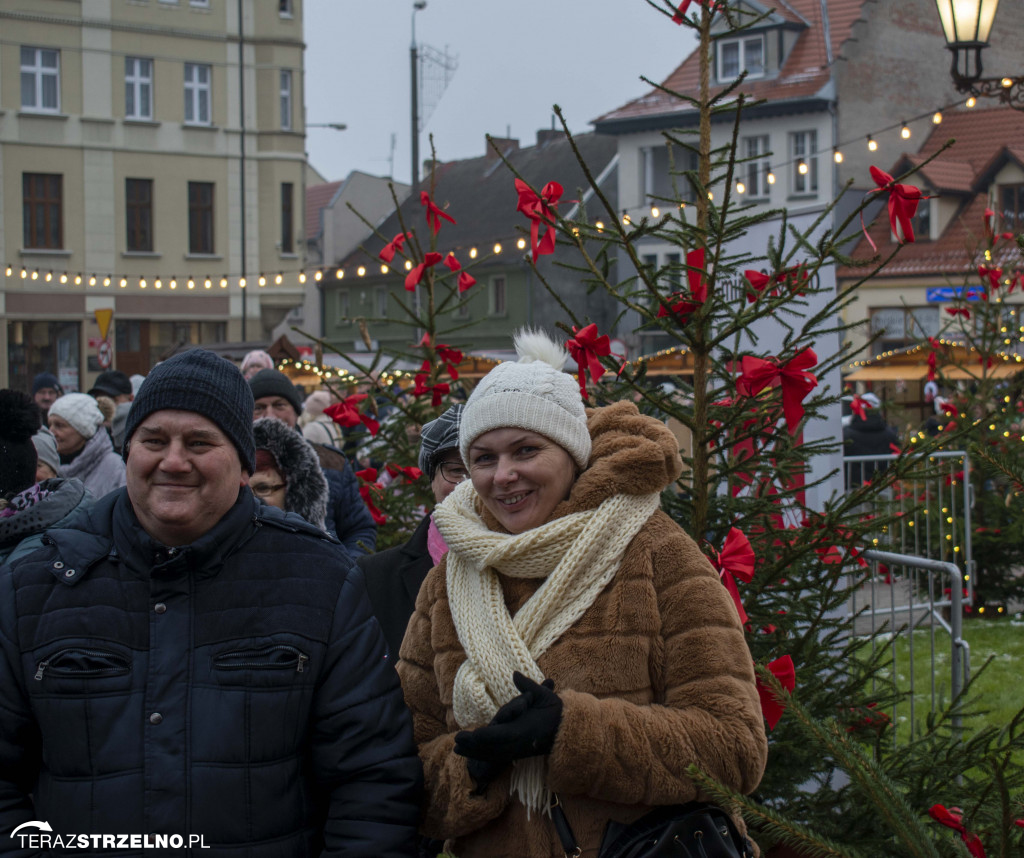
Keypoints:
pixel 86 451
pixel 574 641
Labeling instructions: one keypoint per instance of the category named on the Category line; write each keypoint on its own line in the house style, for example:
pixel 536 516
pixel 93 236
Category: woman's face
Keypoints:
pixel 520 476
pixel 269 486
pixel 68 440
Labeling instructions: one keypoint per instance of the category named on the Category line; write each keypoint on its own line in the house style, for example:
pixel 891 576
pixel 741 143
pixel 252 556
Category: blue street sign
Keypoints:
pixel 939 294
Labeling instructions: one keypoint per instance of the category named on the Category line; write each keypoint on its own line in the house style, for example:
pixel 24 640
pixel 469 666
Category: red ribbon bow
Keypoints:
pixel 959 311
pixel 792 377
pixel 346 413
pixel 436 391
pixel 860 406
pixel 586 348
pixel 903 201
pixel 413 278
pixel 771 706
pixel 677 18
pixel 736 560
pixel 953 819
pixel 993 276
pixel 695 278
pixel 465 278
pixel 369 490
pixel 539 209
pixel 434 214
pixel 410 472
pixel 394 246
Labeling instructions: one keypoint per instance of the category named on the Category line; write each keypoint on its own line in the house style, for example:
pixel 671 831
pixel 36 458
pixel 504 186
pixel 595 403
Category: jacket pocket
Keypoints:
pixel 274 657
pixel 82 663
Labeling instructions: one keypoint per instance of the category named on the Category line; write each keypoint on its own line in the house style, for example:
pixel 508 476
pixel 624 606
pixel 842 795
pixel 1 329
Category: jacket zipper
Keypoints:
pixel 261 659
pixel 123 667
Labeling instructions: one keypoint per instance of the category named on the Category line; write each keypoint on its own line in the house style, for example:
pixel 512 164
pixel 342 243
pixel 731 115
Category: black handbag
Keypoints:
pixel 693 830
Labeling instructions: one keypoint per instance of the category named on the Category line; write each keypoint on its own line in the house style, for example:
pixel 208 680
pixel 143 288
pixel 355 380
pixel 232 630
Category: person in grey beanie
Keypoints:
pixel 199 663
pixel 394 576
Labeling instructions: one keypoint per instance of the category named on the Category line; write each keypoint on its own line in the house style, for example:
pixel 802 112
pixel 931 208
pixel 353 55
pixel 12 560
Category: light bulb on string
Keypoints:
pixel 872 144
pixel 142 283
pixel 361 271
pixel 106 281
pixel 278 279
pixel 123 282
pixel 521 244
pixel 408 265
pixel 472 255
pixel 802 168
pixel 92 280
pixel 191 283
pixel 741 188
pixel 497 248
pixel 971 102
pixel 1006 82
pixel 302 276
pixel 223 282
pixel 174 283
pixel 339 273
pixel 905 131
pixel 625 218
pixel 207 283
pixel 383 269
pixel 771 178
pixel 837 156
pixel 8 271
pixel 937 117
pixel 241 282
pixel 318 275
pixel 24 273
pixel 263 280
pixel 49 276
pixel 63 278
pixel 78 279
pixel 158 283
pixel 35 274
pixel 655 212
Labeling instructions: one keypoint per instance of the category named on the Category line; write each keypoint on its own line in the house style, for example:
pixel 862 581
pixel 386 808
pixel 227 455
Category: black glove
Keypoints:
pixel 523 727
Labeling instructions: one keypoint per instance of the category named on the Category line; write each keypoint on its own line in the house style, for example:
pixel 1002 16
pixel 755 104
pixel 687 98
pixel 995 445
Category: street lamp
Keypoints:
pixel 966 25
pixel 417 6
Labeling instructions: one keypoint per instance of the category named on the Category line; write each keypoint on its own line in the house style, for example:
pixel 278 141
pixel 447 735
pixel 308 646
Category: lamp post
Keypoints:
pixel 966 25
pixel 417 6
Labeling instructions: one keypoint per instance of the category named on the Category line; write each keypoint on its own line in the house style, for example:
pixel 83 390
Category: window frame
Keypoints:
pixel 1017 224
pixel 285 98
pixel 138 213
pixel 741 43
pixel 194 90
pixel 53 209
pixel 757 153
pixel 497 296
pixel 804 185
pixel 288 217
pixel 343 306
pixel 200 216
pixel 381 296
pixel 135 82
pixel 286 8
pixel 38 71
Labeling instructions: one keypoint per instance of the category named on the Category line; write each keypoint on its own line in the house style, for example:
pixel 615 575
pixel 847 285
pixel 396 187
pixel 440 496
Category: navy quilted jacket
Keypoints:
pixel 236 688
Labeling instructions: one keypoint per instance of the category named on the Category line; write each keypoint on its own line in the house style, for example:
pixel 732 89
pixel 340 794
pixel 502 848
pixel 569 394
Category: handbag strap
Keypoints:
pixel 563 829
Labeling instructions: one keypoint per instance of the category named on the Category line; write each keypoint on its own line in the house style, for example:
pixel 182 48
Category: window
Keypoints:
pixel 40 79
pixel 197 94
pixel 286 100
pixel 659 167
pixel 138 208
pixel 1011 207
pixel 287 219
pixel 898 327
pixel 201 3
pixel 922 219
pixel 200 217
pixel 736 56
pixel 138 88
pixel 497 296
pixel 382 302
pixel 757 168
pixel 42 211
pixel 804 154
pixel 284 8
pixel 344 317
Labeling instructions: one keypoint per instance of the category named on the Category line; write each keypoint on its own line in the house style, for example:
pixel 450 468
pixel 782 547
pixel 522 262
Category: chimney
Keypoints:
pixel 549 135
pixel 504 144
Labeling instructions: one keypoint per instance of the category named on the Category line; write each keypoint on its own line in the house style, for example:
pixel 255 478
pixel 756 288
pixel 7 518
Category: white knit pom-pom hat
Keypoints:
pixel 532 393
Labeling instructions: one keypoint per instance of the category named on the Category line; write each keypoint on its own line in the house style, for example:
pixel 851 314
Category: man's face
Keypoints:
pixel 45 397
pixel 277 407
pixel 183 475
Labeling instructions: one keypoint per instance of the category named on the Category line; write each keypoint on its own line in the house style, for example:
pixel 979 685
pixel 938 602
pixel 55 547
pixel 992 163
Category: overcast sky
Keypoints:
pixel 516 58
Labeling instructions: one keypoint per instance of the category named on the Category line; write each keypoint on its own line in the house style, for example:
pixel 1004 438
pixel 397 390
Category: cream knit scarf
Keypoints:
pixel 578 554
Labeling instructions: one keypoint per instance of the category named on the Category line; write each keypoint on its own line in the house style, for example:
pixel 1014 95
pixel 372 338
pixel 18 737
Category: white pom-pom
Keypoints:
pixel 537 346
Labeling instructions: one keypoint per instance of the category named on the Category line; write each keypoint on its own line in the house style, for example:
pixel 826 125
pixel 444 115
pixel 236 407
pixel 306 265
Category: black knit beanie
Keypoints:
pixel 20 418
pixel 199 381
pixel 272 382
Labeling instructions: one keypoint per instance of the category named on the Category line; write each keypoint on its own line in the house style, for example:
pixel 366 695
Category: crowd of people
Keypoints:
pixel 197 637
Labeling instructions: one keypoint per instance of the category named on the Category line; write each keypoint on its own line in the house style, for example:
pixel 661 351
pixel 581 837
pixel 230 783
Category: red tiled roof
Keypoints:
pixel 804 73
pixel 980 146
pixel 317 196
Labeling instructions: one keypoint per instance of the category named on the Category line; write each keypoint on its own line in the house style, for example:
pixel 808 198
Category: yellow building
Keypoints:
pixel 126 163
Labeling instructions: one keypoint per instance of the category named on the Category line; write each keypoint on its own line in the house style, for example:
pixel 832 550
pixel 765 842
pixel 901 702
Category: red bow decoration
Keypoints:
pixel 586 348
pixel 758 281
pixel 953 819
pixel 436 391
pixel 409 472
pixel 959 311
pixel 860 407
pixel 677 18
pixel 903 201
pixel 451 357
pixel 992 275
pixel 346 413
pixel 394 246
pixel 539 209
pixel 413 278
pixel 465 278
pixel 695 277
pixel 736 560
pixel 771 706
pixel 434 214
pixel 792 377
pixel 369 490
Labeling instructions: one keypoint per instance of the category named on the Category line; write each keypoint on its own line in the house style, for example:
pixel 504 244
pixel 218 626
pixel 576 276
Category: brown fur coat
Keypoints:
pixel 656 675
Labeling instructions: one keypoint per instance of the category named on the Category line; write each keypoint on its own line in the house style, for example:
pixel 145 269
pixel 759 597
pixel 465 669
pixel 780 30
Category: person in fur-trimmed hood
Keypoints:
pixel 574 640
pixel 288 473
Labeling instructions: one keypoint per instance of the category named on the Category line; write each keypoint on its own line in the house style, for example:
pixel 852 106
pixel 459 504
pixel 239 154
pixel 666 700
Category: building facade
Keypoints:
pixel 151 161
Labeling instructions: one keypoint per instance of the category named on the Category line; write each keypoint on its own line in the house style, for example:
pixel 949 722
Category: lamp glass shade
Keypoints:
pixel 967 21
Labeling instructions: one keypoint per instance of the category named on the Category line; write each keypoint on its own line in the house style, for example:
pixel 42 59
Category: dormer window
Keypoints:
pixel 745 54
pixel 1011 207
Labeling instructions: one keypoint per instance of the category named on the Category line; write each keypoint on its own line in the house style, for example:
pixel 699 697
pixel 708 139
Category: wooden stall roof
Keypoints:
pixel 955 362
